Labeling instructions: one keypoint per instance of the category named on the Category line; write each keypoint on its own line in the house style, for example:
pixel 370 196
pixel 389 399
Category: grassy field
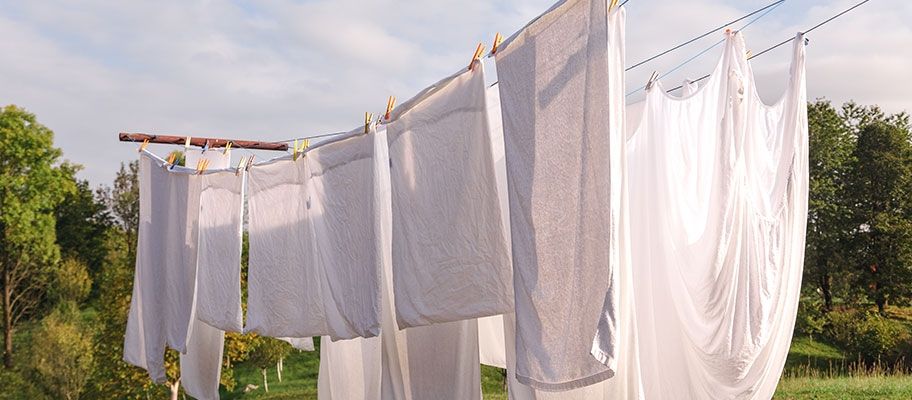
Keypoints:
pixel 814 370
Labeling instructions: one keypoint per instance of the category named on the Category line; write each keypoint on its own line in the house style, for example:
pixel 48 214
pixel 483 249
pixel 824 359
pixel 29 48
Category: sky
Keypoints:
pixel 280 69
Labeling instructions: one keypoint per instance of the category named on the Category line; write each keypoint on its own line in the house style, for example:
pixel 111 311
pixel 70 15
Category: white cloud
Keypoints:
pixel 284 68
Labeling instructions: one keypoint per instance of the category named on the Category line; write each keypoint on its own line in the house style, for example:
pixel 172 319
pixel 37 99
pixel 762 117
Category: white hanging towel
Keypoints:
pixel 718 206
pixel 165 276
pixel 561 87
pixel 428 362
pixel 450 259
pixel 218 276
pixel 314 268
pixel 497 335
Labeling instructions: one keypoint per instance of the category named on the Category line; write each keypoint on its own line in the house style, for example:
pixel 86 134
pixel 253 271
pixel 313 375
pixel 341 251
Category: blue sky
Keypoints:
pixel 278 69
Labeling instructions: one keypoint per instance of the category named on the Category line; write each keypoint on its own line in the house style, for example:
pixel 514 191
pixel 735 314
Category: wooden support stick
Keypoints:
pixel 201 141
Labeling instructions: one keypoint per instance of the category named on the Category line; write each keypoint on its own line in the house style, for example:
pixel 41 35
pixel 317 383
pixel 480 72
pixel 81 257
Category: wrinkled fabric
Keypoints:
pixel 429 362
pixel 218 278
pixel 165 277
pixel 497 338
pixel 314 266
pixel 718 213
pixel 450 258
pixel 561 88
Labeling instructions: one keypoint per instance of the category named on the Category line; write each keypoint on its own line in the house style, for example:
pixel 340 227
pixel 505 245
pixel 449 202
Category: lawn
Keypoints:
pixel 814 370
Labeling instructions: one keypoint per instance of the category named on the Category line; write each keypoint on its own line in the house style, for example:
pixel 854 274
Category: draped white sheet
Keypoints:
pixel 718 185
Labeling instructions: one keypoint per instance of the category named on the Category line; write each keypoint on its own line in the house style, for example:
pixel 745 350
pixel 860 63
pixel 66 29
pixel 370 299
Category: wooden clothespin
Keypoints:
pixel 652 80
pixel 240 164
pixel 171 158
pixel 478 52
pixel 390 104
pixel 143 146
pixel 498 39
pixel 613 4
pixel 367 121
pixel 187 143
pixel 249 162
pixel 201 166
pixel 227 147
pixel 748 54
pixel 294 151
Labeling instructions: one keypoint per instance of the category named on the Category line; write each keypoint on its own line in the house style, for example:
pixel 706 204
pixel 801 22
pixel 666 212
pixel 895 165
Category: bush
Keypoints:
pixel 61 355
pixel 811 319
pixel 870 337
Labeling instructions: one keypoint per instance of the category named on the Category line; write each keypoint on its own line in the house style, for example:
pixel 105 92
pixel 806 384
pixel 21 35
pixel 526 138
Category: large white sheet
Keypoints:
pixel 718 207
pixel 561 88
pixel 314 266
pixel 427 362
pixel 450 257
pixel 165 277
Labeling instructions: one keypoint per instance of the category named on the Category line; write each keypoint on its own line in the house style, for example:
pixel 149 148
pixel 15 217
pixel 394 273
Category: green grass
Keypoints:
pixel 840 388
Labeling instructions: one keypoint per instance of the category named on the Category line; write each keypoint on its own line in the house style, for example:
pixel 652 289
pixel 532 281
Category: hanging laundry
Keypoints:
pixel 218 277
pixel 718 206
pixel 165 277
pixel 497 335
pixel 314 262
pixel 428 362
pixel 562 94
pixel 218 158
pixel 450 258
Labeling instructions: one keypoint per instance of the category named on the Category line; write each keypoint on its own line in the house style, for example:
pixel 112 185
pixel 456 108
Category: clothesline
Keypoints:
pixel 773 47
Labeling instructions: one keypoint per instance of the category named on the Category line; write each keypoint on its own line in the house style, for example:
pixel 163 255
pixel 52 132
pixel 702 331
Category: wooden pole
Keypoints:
pixel 201 141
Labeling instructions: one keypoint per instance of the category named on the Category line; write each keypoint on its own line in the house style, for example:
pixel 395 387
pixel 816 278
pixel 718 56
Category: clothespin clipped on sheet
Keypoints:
pixel 201 165
pixel 187 143
pixel 652 80
pixel 294 151
pixel 171 158
pixel 498 39
pixel 478 52
pixel 748 54
pixel 227 147
pixel 240 164
pixel 613 4
pixel 367 122
pixel 390 104
pixel 205 147
pixel 249 162
pixel 143 146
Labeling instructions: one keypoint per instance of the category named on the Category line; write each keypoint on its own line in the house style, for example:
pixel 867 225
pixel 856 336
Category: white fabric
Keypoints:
pixel 561 88
pixel 165 276
pixel 497 338
pixel 314 267
pixel 302 344
pixel 718 210
pixel 428 362
pixel 450 257
pixel 218 279
pixel 218 158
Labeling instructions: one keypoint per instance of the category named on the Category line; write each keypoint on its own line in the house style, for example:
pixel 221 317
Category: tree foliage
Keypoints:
pixel 61 354
pixel 32 184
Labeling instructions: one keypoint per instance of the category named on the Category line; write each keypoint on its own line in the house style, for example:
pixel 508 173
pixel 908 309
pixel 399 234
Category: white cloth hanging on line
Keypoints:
pixel 165 276
pixel 718 211
pixel 314 266
pixel 218 278
pixel 561 87
pixel 428 362
pixel 450 257
pixel 497 338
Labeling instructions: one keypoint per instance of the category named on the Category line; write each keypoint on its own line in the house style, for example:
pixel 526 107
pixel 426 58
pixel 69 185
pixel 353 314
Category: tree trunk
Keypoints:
pixel 265 382
pixel 7 321
pixel 825 291
pixel 175 389
pixel 279 369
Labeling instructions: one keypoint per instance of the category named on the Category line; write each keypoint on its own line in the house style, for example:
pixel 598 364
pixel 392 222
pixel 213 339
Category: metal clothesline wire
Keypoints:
pixel 723 26
pixel 706 50
pixel 771 48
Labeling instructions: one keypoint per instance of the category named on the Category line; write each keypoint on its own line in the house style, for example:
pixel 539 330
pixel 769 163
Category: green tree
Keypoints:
pixel 830 151
pixel 82 220
pixel 61 354
pixel 880 196
pixel 32 184
pixel 267 353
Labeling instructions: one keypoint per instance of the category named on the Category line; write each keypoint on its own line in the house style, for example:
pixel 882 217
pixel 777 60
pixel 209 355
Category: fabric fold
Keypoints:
pixel 561 89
